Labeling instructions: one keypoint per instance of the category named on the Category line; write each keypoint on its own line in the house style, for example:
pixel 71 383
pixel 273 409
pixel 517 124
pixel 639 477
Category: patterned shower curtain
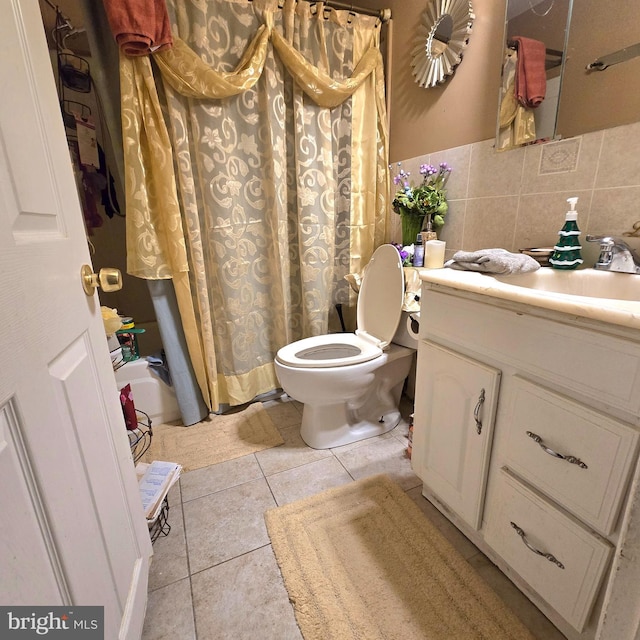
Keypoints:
pixel 281 183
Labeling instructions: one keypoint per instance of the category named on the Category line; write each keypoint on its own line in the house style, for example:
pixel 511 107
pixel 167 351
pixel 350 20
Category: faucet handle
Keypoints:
pixel 604 240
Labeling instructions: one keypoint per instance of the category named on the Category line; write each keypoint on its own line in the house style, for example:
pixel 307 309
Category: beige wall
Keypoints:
pixel 464 108
pixel 517 199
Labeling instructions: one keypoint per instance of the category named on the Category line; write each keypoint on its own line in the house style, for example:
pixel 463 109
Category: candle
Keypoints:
pixel 434 254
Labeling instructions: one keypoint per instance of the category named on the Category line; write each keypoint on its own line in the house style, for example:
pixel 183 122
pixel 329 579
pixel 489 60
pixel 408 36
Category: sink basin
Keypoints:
pixel 608 297
pixel 584 282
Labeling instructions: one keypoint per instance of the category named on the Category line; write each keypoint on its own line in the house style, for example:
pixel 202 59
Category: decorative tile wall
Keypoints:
pixel 517 199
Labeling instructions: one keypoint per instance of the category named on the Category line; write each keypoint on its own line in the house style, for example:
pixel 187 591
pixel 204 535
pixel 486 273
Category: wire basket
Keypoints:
pixel 117 359
pixel 74 72
pixel 140 437
pixel 160 525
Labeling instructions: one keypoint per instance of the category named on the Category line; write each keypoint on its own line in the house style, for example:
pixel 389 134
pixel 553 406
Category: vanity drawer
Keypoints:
pixel 592 486
pixel 523 521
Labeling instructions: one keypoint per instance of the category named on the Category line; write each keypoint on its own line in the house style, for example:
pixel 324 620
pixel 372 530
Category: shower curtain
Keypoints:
pixel 257 177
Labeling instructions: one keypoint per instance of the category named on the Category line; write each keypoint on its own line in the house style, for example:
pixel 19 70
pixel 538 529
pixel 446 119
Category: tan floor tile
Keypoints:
pixel 256 607
pixel 169 562
pixel 293 453
pixel 284 413
pixel 401 432
pixel 307 480
pixel 170 613
pixel 226 524
pixel 381 456
pixel 217 477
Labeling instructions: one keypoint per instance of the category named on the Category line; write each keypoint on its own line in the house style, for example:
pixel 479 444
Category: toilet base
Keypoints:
pixel 343 423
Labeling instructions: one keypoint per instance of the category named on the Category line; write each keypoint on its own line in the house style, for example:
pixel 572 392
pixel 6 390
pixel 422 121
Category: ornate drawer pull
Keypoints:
pixel 555 454
pixel 548 556
pixel 476 412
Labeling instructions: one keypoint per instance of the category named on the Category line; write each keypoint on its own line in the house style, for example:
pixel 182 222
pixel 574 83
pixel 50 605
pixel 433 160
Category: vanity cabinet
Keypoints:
pixel 541 489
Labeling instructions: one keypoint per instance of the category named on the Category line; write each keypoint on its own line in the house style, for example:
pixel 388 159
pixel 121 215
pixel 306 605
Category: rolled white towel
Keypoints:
pixel 498 261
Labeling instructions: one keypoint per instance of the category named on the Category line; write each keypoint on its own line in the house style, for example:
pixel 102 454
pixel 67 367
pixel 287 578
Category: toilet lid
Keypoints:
pixel 381 296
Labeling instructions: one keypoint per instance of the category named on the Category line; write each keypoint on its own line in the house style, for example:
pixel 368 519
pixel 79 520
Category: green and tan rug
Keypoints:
pixel 361 561
pixel 216 439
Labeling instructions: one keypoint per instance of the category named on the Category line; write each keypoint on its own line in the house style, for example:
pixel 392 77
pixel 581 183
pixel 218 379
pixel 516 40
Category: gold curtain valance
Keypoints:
pixel 190 76
pixel 319 86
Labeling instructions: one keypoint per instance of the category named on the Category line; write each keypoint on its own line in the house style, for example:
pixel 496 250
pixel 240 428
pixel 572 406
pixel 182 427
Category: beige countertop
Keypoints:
pixel 598 295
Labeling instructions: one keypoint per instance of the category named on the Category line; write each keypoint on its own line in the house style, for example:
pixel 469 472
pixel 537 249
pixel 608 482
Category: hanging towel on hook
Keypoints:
pixel 140 27
pixel 531 75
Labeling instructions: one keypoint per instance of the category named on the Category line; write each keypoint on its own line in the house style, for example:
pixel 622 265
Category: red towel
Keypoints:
pixel 531 75
pixel 140 27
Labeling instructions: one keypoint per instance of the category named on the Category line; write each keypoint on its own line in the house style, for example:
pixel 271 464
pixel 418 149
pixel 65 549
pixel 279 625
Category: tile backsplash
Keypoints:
pixel 517 199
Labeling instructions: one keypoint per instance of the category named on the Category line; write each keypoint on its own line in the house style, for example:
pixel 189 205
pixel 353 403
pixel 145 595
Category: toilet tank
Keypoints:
pixel 406 334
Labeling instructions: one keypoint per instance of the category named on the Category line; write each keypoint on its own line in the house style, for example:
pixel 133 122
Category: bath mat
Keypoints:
pixel 216 439
pixel 362 561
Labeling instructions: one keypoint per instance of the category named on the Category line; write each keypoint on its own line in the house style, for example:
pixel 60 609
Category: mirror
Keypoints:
pixel 443 34
pixel 535 35
pixel 579 97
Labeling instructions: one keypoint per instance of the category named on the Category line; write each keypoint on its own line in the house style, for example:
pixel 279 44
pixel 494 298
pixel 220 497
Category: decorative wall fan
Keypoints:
pixel 443 34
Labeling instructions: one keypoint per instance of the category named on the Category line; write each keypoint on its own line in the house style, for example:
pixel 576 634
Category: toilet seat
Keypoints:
pixel 332 350
pixel 378 313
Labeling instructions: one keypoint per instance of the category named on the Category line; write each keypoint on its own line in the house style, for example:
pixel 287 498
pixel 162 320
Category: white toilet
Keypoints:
pixel 350 383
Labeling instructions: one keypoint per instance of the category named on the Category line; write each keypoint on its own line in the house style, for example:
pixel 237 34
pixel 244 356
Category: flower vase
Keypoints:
pixel 411 227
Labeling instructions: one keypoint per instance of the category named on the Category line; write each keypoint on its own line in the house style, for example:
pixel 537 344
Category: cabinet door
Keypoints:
pixel 455 407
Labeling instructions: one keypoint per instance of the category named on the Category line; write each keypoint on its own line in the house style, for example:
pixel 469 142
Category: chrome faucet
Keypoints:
pixel 615 255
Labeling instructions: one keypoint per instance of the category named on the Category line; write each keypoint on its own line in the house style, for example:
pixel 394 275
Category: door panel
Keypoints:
pixel 25 534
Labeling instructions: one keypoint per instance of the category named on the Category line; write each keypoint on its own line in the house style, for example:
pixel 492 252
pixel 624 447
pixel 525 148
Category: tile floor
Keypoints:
pixel 215 576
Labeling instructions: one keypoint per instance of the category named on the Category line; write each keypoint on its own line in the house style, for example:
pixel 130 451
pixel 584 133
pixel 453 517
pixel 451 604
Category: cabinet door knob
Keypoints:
pixel 476 412
pixel 572 459
pixel 548 556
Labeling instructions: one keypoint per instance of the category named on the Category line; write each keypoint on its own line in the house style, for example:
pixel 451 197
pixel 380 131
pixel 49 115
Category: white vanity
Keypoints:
pixel 526 433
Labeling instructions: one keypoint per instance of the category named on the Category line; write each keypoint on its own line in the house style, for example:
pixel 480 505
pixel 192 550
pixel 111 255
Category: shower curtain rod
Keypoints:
pixel 383 14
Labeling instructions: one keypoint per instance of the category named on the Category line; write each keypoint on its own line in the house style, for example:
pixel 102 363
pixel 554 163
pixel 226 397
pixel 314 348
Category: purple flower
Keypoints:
pixel 404 255
pixel 427 170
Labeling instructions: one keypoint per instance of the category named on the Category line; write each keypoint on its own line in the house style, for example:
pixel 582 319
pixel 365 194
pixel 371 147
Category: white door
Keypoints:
pixel 72 530
pixel 453 428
